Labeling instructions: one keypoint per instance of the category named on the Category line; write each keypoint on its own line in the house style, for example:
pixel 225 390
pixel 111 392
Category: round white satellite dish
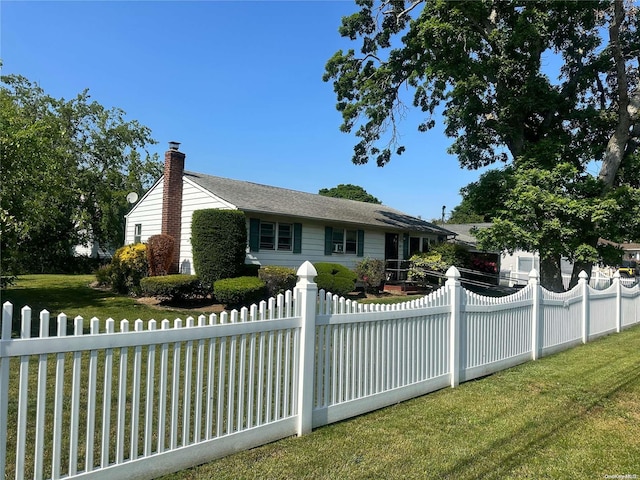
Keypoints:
pixel 132 197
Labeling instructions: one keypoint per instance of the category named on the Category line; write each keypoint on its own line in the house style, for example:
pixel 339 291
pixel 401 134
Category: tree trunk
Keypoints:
pixel 618 141
pixel 550 273
pixel 577 268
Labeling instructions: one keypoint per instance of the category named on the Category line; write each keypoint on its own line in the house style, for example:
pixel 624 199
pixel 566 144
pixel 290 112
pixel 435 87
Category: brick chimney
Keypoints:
pixel 172 199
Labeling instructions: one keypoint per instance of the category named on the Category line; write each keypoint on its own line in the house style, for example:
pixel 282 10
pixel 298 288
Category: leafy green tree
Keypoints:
pixel 67 166
pixel 483 199
pixel 350 192
pixel 484 67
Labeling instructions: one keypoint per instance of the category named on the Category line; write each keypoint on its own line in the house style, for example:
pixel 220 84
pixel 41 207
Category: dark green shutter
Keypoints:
pixel 328 240
pixel 254 234
pixel 360 249
pixel 405 246
pixel 297 238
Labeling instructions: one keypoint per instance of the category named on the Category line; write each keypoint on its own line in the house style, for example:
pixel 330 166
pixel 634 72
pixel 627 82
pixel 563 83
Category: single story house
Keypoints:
pixel 285 227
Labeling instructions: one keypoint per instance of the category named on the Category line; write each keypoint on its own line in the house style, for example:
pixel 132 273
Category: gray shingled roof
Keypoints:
pixel 257 198
pixel 463 231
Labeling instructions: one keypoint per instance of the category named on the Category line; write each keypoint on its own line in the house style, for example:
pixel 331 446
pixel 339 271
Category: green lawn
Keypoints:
pixel 72 295
pixel 573 415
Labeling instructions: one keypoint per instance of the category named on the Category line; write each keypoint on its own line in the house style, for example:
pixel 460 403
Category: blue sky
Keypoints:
pixel 238 83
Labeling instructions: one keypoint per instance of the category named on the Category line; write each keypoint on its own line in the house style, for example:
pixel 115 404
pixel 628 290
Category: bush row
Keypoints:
pixel 174 288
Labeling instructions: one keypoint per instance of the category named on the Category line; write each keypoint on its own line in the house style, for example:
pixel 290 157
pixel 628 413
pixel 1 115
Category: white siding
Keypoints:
pixel 313 246
pixel 148 213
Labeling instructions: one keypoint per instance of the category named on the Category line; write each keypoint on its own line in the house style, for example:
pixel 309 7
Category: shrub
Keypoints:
pixel 160 250
pixel 103 275
pixel 453 254
pixel 128 267
pixel 249 270
pixel 219 241
pixel 278 279
pixel 371 271
pixel 173 288
pixel 239 291
pixel 438 259
pixel 335 278
pixel 422 263
pixel 7 280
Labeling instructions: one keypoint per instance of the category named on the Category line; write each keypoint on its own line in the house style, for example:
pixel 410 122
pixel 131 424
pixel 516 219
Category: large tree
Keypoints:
pixel 350 192
pixel 484 199
pixel 486 68
pixel 67 167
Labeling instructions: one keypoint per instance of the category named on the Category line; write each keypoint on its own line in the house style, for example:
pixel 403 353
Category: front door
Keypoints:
pixel 391 256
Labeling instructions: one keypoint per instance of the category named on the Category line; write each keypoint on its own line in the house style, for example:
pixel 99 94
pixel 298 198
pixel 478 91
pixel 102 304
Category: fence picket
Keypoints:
pixel 56 447
pixel 38 471
pixel 75 401
pixel 162 390
pixel 135 397
pixel 106 400
pixel 122 396
pixel 21 434
pixel 149 410
pixel 91 398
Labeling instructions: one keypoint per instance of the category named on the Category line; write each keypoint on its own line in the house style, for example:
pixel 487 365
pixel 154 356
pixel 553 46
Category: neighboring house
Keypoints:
pixel 630 250
pixel 285 227
pixel 92 250
pixel 514 267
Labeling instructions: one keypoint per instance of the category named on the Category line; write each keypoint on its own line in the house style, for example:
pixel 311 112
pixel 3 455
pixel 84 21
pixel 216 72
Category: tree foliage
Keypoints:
pixel 487 69
pixel 67 167
pixel 350 192
pixel 483 199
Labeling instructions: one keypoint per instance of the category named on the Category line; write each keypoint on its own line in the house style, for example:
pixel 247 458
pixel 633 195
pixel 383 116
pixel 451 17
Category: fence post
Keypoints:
pixel 7 318
pixel 618 284
pixel 306 298
pixel 536 317
pixel 455 293
pixel 583 281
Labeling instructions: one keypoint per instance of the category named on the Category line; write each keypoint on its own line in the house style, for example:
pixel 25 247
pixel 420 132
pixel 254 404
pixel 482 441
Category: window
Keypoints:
pixel 137 233
pixel 285 236
pixel 343 241
pixel 525 264
pixel 418 245
pixel 275 236
pixel 267 235
pixel 351 241
pixel 414 245
pixel 338 240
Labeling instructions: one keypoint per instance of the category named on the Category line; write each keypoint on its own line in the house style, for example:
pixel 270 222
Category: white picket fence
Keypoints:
pixel 142 402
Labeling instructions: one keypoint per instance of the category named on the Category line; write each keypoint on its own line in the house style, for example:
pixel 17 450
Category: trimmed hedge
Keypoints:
pixel 249 270
pixel 278 279
pixel 219 241
pixel 160 250
pixel 335 278
pixel 239 291
pixel 173 288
